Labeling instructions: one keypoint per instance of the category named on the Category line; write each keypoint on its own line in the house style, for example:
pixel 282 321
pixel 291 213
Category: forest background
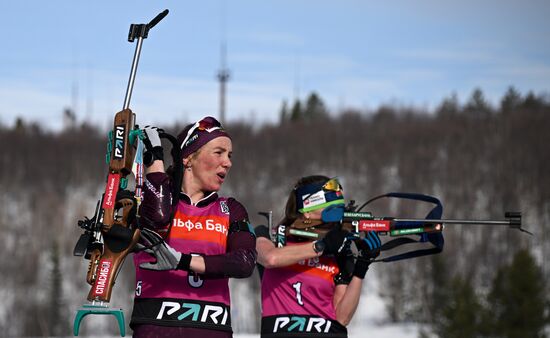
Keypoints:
pixel 480 160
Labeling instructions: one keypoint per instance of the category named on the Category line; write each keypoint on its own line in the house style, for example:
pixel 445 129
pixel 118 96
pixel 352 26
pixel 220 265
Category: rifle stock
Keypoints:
pixel 113 231
pixel 123 151
pixel 117 211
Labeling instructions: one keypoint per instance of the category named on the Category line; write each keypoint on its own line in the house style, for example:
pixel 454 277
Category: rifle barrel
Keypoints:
pixel 455 221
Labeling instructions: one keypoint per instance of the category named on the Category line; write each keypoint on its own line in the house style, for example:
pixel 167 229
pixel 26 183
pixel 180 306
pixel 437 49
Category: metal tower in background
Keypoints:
pixel 223 78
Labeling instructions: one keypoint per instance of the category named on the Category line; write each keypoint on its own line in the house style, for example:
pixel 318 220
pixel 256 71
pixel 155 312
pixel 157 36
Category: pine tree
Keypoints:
pixel 532 101
pixel 510 101
pixel 461 316
pixel 315 108
pixel 518 300
pixel 283 114
pixel 478 105
pixel 439 291
pixel 296 112
pixel 57 317
pixel 449 106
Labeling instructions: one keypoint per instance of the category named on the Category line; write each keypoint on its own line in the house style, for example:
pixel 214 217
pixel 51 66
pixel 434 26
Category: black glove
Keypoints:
pixel 153 146
pixel 346 265
pixel 334 241
pixel 167 257
pixel 365 250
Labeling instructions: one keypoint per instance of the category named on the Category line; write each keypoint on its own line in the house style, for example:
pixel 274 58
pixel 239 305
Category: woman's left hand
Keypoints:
pixel 366 250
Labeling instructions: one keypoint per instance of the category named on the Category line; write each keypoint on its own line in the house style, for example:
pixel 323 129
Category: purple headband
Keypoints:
pixel 194 136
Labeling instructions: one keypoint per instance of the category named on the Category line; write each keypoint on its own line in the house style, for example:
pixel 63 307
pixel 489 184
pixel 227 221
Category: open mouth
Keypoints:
pixel 221 175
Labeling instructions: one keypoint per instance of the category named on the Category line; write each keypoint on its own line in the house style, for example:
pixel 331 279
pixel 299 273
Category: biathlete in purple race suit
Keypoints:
pixel 182 276
pixel 312 288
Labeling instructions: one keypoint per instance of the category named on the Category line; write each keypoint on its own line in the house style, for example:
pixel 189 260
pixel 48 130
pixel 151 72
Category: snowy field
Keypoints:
pixel 370 319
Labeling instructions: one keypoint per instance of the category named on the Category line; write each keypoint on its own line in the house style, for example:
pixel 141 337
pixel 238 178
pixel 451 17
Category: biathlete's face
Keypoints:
pixel 211 165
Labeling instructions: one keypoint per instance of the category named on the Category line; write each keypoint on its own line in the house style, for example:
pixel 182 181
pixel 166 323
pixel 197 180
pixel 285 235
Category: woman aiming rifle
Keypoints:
pixel 183 291
pixel 312 288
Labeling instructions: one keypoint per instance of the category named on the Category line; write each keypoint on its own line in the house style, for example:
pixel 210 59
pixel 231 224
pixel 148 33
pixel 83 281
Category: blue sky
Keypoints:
pixel 358 54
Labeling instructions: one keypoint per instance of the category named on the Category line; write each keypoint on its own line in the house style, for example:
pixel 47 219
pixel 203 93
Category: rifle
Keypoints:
pixel 428 230
pixel 111 234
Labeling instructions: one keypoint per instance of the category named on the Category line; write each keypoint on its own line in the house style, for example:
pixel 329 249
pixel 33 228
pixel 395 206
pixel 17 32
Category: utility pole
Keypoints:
pixel 223 78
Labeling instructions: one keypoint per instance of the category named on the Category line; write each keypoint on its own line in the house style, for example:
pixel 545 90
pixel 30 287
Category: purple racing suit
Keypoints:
pixel 180 303
pixel 297 300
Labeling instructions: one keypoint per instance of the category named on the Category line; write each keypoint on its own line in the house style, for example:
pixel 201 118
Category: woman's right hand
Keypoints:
pixel 334 241
pixel 153 146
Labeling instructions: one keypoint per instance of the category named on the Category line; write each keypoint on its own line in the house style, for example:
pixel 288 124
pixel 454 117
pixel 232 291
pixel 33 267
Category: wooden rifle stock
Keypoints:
pixel 115 218
pixel 118 209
